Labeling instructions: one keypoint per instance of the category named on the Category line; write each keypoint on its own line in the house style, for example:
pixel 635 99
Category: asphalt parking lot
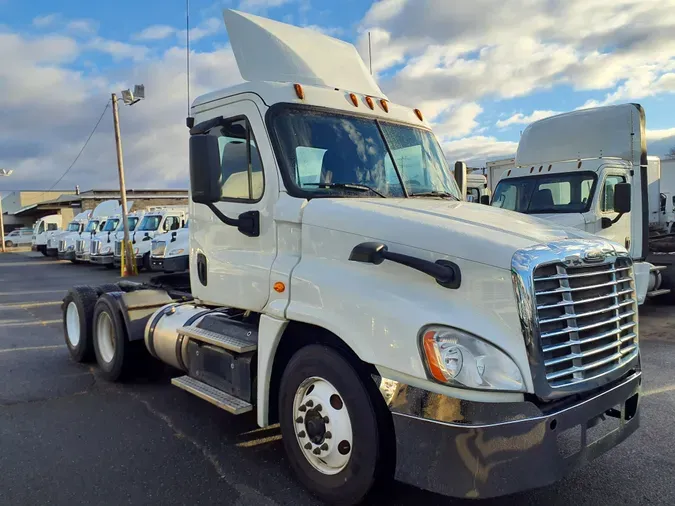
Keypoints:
pixel 68 438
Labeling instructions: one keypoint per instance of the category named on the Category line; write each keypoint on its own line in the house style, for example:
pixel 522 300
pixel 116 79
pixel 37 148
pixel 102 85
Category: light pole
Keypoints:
pixel 6 173
pixel 129 98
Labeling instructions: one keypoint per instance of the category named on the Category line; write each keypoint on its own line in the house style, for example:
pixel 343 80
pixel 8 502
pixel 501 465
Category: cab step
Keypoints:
pixel 231 343
pixel 216 397
pixel 656 293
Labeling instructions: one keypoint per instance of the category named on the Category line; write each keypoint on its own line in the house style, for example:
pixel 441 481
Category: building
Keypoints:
pixel 23 209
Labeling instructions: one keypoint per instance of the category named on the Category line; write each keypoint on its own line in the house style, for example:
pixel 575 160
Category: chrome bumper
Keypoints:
pixel 480 450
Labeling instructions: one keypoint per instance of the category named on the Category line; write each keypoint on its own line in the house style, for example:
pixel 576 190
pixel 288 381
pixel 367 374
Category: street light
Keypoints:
pixel 129 98
pixel 6 173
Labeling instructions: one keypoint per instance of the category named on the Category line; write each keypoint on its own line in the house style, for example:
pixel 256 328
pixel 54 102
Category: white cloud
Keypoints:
pixel 334 31
pixel 521 119
pixel 155 32
pixel 118 50
pixel 455 120
pixel 478 149
pixel 658 135
pixel 205 29
pixel 46 20
pixel 83 26
pixel 259 6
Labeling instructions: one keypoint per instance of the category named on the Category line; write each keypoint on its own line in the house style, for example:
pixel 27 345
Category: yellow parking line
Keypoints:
pixel 22 305
pixel 53 347
pixel 26 323
pixel 258 442
pixel 662 390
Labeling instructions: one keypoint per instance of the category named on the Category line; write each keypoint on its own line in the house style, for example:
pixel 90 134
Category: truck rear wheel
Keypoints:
pixel 114 352
pixel 333 432
pixel 78 310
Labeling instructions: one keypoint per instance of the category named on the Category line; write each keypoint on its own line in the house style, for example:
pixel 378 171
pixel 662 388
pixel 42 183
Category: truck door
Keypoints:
pixel 619 232
pixel 228 267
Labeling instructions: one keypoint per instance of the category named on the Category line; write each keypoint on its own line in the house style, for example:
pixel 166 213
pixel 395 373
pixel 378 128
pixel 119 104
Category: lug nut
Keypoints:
pixel 299 419
pixel 301 433
pixel 310 404
pixel 328 435
pixel 319 407
pixel 324 447
pixel 317 451
pixel 302 408
pixel 308 446
pixel 326 419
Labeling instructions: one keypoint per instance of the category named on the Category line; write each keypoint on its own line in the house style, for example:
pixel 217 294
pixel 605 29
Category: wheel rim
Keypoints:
pixel 322 425
pixel 105 337
pixel 73 324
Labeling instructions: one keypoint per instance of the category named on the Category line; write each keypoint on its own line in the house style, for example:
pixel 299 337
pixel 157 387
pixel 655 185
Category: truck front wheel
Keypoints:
pixel 332 429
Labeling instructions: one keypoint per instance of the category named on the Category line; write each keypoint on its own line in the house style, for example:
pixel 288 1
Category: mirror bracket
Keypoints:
pixel 247 223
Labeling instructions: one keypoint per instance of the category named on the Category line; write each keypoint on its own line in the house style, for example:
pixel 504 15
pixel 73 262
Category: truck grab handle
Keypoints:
pixel 446 273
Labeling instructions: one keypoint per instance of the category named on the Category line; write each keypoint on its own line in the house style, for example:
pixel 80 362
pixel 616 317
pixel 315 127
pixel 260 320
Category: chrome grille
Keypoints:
pixel 62 246
pixel 118 248
pixel 79 246
pixel 158 248
pixel 587 318
pixel 95 247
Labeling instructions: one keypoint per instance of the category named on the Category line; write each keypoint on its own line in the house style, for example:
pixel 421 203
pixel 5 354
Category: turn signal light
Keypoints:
pixel 432 356
pixel 299 91
pixel 279 287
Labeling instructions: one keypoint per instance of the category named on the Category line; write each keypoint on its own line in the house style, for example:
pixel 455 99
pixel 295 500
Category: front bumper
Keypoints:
pixel 171 264
pixel 82 257
pixel 102 259
pixel 67 255
pixel 117 261
pixel 480 450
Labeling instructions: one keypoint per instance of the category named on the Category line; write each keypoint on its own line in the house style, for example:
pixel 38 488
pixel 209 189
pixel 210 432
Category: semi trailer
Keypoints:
pixel 391 328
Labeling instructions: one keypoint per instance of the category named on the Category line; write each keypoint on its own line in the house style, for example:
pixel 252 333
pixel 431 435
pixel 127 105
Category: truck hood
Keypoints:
pixel 465 230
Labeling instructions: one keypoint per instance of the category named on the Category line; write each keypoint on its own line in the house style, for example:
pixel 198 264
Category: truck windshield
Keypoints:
pixel 552 193
pixel 150 223
pixel 91 226
pixel 331 154
pixel 73 227
pixel 111 225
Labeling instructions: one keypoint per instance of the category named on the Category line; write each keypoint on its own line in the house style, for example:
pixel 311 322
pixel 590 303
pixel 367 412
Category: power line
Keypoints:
pixel 84 146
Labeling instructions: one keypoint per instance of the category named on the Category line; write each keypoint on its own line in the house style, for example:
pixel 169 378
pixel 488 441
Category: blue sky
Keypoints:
pixel 481 70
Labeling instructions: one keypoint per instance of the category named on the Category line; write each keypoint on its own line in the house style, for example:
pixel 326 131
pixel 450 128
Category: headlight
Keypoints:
pixel 176 252
pixel 459 359
pixel 71 247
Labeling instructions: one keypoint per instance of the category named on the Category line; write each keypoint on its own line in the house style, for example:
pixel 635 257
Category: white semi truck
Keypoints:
pixel 76 226
pixel 96 225
pixel 156 221
pixel 589 169
pixel 391 328
pixel 43 230
pixel 102 248
pixel 170 252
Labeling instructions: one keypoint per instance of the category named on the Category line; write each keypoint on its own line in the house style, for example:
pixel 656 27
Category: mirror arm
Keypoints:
pixel 248 223
pixel 617 218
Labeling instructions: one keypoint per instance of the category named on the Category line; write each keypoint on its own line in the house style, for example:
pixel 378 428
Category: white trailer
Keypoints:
pixel 589 169
pixel 391 328
pixel 496 169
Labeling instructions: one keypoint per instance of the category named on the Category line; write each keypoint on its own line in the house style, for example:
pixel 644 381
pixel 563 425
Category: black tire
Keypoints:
pixel 124 356
pixel 667 281
pixel 76 262
pixel 9 244
pixel 371 464
pixel 84 299
pixel 110 266
pixel 44 252
pixel 107 288
pixel 146 264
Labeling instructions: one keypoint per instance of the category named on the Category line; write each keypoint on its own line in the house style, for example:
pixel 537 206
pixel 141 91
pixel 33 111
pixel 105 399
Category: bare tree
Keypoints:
pixel 671 154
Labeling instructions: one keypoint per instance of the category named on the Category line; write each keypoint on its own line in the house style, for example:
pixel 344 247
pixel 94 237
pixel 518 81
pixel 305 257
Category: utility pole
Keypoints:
pixel 128 259
pixel 6 173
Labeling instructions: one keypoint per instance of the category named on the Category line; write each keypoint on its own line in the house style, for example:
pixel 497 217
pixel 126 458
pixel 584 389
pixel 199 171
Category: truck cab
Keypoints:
pixel 156 221
pixel 589 170
pixel 171 251
pixel 341 286
pixel 43 230
pixel 83 243
pixel 103 244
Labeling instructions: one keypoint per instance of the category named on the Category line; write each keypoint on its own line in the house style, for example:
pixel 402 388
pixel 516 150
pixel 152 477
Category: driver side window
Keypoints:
pixel 607 202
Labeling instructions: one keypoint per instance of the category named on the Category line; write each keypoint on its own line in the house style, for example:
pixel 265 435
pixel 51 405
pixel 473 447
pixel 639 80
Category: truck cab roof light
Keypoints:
pixel 355 100
pixel 385 105
pixel 370 103
pixel 419 114
pixel 299 91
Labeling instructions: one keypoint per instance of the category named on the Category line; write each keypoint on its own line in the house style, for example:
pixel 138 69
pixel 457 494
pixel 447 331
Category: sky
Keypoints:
pixel 480 71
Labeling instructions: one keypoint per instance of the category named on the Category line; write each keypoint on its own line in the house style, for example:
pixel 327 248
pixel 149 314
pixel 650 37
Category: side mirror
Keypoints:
pixel 485 199
pixel 622 198
pixel 460 177
pixel 205 170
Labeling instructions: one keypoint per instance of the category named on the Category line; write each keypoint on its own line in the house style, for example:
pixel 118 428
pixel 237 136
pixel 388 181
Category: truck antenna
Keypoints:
pixel 189 121
pixel 370 55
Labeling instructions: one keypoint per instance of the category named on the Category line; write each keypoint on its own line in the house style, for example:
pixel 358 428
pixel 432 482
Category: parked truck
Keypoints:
pixel 477 188
pixel 589 169
pixel 103 245
pixel 496 169
pixel 43 230
pixel 170 252
pixel 391 328
pixel 96 225
pixel 156 221
pixel 74 227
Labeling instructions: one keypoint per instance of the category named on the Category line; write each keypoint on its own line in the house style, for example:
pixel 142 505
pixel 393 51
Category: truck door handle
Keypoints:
pixel 446 273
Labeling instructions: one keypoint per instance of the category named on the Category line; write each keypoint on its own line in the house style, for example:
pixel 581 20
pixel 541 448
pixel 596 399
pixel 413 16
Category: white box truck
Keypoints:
pixel 43 230
pixel 589 169
pixel 391 328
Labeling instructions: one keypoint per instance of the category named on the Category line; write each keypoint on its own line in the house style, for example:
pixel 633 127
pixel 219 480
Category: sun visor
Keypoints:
pixel 268 50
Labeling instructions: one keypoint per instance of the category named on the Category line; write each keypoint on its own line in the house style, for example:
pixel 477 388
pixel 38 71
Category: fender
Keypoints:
pixel 137 307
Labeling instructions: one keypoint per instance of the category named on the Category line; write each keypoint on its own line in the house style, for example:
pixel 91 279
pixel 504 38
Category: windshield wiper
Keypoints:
pixel 434 194
pixel 347 186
